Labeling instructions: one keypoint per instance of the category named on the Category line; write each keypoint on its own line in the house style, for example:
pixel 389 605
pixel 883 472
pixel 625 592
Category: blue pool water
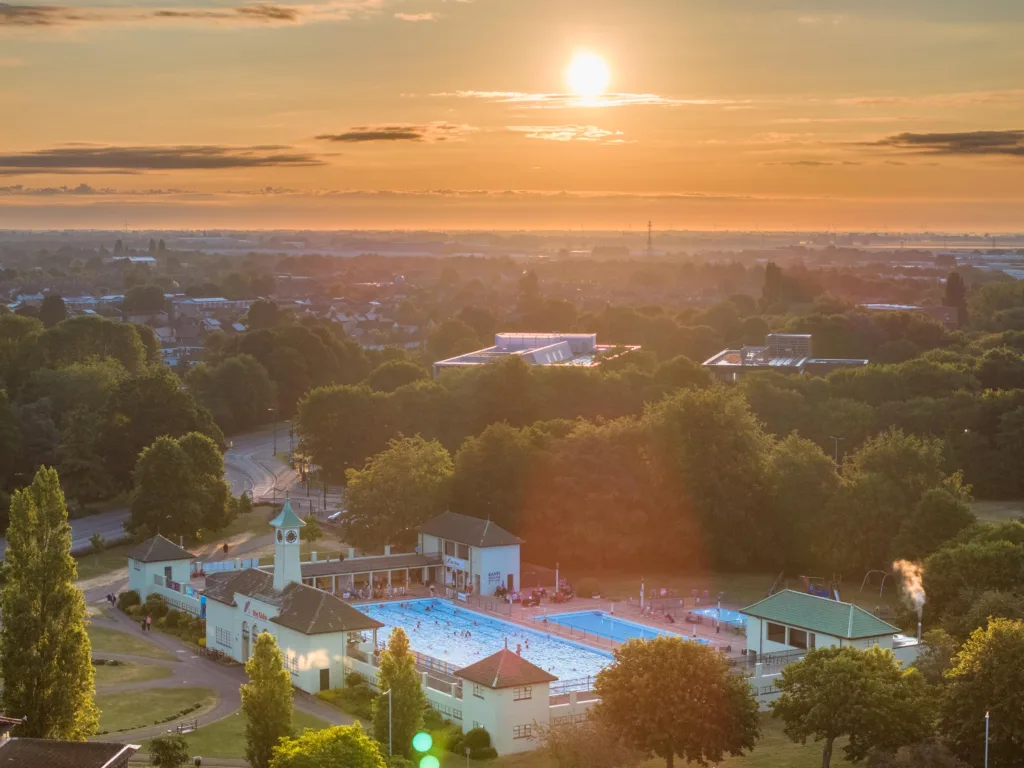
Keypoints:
pixel 608 626
pixel 437 633
pixel 732 618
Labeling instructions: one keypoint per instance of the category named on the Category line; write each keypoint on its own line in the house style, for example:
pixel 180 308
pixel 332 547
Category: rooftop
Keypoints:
pixel 302 608
pixel 287 517
pixel 367 564
pixel 469 530
pixel 580 349
pixel 505 669
pixel 158 550
pixel 820 614
pixel 36 753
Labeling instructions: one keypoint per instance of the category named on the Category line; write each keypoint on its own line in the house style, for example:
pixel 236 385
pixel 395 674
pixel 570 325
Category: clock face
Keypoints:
pixel 280 536
pixel 292 537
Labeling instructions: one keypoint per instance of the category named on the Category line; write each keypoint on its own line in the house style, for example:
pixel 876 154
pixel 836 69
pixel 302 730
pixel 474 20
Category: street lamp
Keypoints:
pixel 986 740
pixel 271 410
pixel 836 441
pixel 388 692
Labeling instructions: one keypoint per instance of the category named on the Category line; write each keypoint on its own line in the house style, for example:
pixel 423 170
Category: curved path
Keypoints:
pixel 192 669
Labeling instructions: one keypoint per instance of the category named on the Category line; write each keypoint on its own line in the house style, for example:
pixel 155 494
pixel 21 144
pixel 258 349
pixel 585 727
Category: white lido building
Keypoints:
pixel 477 555
pixel 314 629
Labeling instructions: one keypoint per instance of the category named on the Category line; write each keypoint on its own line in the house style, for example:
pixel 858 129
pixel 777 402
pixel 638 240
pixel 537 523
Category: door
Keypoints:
pixel 245 642
pixel 167 575
pixel 325 679
pixel 511 582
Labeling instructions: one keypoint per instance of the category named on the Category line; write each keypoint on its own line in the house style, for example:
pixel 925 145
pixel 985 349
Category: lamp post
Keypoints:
pixel 388 692
pixel 836 441
pixel 986 740
pixel 271 410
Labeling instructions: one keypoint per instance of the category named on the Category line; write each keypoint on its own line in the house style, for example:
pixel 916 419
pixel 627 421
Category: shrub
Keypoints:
pixel 353 678
pixel 588 588
pixel 135 611
pixel 96 543
pixel 126 600
pixel 202 642
pixel 173 619
pixel 432 719
pixel 484 753
pixel 476 738
pixel 397 761
pixel 156 606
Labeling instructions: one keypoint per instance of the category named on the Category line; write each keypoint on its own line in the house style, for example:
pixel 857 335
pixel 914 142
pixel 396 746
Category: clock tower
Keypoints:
pixel 287 551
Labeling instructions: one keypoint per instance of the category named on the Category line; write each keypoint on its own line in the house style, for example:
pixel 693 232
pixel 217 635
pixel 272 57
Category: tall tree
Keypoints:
pixel 238 391
pixel 52 311
pixel 342 745
pixel 400 714
pixel 266 701
pixel 669 697
pixel 864 695
pixel 955 295
pixel 400 488
pixel 170 751
pixel 45 654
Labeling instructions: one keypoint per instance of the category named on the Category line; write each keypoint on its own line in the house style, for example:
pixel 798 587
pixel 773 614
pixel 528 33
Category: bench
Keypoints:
pixel 187 726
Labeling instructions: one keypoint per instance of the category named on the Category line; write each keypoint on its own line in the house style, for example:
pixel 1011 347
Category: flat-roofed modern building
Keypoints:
pixel 782 352
pixel 579 349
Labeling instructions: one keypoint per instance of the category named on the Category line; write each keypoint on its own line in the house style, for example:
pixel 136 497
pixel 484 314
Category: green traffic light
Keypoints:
pixel 422 742
pixel 429 761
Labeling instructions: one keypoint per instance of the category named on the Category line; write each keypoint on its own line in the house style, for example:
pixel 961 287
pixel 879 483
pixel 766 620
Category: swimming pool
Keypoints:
pixel 732 618
pixel 612 627
pixel 437 632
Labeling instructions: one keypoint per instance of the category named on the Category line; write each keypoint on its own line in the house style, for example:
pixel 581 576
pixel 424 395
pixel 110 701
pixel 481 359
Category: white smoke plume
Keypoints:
pixel 913 586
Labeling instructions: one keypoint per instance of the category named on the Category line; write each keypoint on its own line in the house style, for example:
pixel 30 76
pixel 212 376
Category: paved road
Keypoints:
pixel 249 465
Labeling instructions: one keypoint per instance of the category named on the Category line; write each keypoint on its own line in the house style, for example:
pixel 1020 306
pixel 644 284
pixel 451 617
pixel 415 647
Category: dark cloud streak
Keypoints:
pixel 990 143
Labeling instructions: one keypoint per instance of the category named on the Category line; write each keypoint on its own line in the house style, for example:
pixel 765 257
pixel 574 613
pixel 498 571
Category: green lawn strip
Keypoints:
pixel 118 674
pixel 226 737
pixel 106 640
pixel 99 563
pixel 998 511
pixel 145 708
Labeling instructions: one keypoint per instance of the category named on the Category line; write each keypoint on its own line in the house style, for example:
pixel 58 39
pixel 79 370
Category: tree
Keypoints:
pixel 82 469
pixel 266 702
pixel 452 337
pixel 313 531
pixel 938 648
pixel 394 374
pixel 143 298
pixel 340 428
pixel 955 295
pixel 649 700
pixel 586 745
pixel 169 751
pixel 987 677
pixel 398 716
pixel 342 745
pixel 88 338
pixel 938 517
pixel 864 695
pixel 237 391
pixel 264 314
pixel 52 311
pixel 180 488
pixel 45 654
pixel 400 488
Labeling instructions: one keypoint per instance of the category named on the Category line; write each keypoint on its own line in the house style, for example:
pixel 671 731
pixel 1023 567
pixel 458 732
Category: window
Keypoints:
pixel 478 691
pixel 449 548
pixel 521 731
pixel 811 641
pixel 797 638
pixel 477 724
pixel 223 637
pixel 776 633
pixel 136 565
pixel 463 550
pixel 291 663
pixel 519 694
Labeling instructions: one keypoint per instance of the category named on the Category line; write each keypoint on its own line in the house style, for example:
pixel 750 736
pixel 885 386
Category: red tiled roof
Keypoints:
pixel 505 670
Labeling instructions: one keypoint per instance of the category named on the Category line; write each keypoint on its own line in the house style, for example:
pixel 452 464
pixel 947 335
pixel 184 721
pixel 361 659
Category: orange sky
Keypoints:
pixel 754 114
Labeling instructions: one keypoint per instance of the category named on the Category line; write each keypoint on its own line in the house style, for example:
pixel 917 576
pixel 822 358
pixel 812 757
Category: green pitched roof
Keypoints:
pixel 287 518
pixel 820 614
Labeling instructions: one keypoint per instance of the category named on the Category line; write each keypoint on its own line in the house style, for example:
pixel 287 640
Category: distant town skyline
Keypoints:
pixel 601 114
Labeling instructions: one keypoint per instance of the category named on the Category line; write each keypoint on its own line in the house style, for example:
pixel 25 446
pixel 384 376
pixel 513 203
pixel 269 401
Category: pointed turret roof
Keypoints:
pixel 287 518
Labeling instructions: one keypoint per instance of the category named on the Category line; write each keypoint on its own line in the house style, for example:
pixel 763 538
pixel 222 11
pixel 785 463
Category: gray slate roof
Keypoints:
pixel 302 608
pixel 36 753
pixel 158 550
pixel 468 530
pixel 365 564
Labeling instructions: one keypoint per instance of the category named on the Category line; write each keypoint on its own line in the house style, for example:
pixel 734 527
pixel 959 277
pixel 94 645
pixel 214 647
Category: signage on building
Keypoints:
pixel 256 614
pixel 461 596
pixel 494 577
pixel 455 563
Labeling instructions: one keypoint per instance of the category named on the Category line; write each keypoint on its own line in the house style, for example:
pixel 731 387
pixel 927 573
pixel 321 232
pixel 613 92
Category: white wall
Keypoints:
pixel 499 560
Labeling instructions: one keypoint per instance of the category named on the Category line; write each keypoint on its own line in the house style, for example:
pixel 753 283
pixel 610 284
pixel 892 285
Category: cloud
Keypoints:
pixel 813 163
pixel 568 100
pixel 962 99
pixel 991 143
pixel 428 132
pixel 431 16
pixel 84 190
pixel 566 133
pixel 112 159
pixel 42 17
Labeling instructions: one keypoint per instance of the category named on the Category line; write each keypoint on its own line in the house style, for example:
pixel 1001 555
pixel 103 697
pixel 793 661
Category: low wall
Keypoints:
pixel 572 711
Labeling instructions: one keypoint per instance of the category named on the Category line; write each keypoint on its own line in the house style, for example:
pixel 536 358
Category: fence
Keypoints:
pixel 224 565
pixel 579 685
pixel 425 662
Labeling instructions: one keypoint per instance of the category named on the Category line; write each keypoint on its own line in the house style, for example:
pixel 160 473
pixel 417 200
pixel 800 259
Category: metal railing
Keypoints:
pixel 578 685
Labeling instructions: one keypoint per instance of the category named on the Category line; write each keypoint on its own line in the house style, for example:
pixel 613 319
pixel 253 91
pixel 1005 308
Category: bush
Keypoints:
pixel 432 719
pixel 484 753
pixel 135 611
pixel 356 700
pixel 353 679
pixel 173 619
pixel 127 599
pixel 588 588
pixel 156 606
pixel 397 761
pixel 477 738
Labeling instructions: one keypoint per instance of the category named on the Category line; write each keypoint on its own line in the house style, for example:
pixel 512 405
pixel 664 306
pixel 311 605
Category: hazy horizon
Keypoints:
pixel 786 115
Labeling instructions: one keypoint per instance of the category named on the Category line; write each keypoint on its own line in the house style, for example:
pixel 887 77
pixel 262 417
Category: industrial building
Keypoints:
pixel 579 349
pixel 783 352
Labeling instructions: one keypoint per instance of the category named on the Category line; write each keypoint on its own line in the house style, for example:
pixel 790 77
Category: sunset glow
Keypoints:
pixel 588 75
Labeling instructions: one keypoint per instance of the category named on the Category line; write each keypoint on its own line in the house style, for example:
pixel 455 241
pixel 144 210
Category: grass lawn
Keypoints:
pixel 107 674
pixel 998 511
pixel 226 738
pixel 105 640
pixel 99 563
pixel 139 709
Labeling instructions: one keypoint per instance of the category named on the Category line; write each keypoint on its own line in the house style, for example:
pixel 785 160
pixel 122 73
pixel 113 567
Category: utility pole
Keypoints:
pixel 836 440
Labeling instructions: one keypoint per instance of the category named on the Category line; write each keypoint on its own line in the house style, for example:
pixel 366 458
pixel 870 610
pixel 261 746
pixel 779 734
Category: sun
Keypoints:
pixel 587 74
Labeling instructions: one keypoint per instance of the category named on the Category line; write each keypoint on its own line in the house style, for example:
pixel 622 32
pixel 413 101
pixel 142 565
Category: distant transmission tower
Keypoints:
pixel 650 240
